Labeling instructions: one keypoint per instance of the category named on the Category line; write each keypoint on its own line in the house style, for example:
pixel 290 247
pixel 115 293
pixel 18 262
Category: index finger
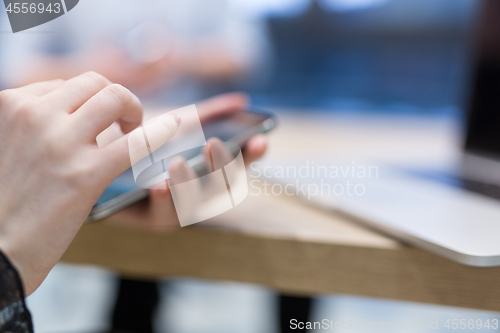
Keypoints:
pixel 73 93
pixel 42 88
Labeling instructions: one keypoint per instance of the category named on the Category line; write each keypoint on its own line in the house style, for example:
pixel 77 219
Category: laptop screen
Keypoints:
pixel 483 135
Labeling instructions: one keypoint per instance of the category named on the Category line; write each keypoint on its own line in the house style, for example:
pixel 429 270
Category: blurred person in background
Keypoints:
pixel 165 51
pixel 145 45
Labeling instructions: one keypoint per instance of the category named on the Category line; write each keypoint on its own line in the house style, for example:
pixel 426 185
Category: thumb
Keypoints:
pixel 131 148
pixel 160 129
pixel 152 135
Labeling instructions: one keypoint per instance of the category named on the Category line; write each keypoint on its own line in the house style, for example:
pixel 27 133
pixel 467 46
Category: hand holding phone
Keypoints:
pixel 223 117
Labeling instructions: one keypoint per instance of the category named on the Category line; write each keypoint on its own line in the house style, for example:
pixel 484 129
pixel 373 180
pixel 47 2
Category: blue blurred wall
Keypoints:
pixel 393 56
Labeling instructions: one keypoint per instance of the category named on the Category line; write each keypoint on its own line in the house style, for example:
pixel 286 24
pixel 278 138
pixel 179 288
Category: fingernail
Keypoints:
pixel 161 129
pixel 178 162
pixel 177 118
pixel 214 139
pixel 261 140
pixel 135 98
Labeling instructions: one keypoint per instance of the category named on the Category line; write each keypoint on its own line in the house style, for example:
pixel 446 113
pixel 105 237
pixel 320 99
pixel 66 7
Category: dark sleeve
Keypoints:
pixel 14 316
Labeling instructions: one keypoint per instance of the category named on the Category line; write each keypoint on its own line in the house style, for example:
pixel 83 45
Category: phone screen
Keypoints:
pixel 237 127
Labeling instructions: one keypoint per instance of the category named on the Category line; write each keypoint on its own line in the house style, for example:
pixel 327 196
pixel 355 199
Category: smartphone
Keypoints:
pixel 234 128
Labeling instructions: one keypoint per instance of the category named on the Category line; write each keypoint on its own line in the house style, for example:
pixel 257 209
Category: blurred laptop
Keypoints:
pixel 455 214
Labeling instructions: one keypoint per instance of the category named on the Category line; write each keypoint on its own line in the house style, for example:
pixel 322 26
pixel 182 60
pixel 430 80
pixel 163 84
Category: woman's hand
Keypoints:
pixel 51 169
pixel 158 212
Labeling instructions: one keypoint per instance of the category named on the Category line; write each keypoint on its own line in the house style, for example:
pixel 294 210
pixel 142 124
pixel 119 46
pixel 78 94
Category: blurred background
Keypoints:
pixel 390 56
pixel 326 56
pixel 380 55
